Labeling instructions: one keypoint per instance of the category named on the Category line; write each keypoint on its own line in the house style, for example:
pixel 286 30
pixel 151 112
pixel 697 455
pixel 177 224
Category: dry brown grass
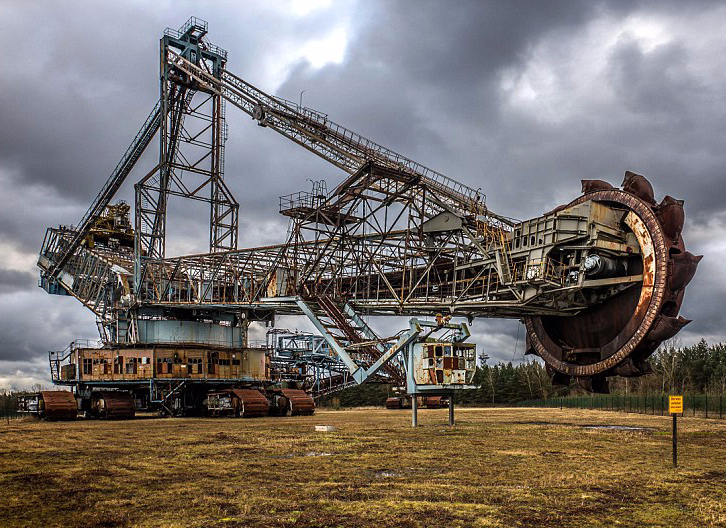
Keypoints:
pixel 497 467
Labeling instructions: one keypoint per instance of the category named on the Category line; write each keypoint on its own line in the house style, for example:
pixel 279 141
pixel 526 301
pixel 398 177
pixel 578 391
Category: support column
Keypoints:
pixel 451 410
pixel 414 410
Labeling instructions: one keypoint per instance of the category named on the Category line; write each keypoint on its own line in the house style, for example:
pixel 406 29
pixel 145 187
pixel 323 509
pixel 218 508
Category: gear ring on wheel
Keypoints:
pixel 654 243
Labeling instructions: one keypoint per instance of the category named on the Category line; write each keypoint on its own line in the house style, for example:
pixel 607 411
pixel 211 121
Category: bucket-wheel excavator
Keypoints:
pixel 598 282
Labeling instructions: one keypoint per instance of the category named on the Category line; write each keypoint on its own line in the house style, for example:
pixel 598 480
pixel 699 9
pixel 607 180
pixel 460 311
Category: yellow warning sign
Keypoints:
pixel 675 404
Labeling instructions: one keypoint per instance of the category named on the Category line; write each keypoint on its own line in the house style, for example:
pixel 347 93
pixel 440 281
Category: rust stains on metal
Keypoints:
pixel 444 362
pixel 292 402
pixel 639 186
pixel 435 402
pixel 683 269
pixel 589 186
pixel 397 402
pixel 671 216
pixel 58 405
pixel 251 403
pixel 631 331
pixel 112 405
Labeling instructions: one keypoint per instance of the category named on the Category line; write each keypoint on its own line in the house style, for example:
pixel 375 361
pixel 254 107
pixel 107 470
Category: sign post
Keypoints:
pixel 675 407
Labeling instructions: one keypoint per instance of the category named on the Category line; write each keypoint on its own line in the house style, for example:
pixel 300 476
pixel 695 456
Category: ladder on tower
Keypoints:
pixel 503 256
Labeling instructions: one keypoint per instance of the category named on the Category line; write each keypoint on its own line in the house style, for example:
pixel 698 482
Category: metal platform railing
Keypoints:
pixel 302 199
pixel 380 153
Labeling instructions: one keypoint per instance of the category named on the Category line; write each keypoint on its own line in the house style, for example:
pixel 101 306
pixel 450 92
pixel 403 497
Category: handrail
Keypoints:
pixel 123 168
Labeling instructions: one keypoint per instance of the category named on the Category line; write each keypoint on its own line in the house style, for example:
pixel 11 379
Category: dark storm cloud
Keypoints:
pixel 90 78
pixel 456 48
pixel 14 280
pixel 73 81
pixel 411 61
pixel 427 81
pixel 522 99
pixel 31 326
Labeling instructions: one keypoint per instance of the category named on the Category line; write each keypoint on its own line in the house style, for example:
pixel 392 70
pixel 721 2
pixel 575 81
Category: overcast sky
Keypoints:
pixel 520 99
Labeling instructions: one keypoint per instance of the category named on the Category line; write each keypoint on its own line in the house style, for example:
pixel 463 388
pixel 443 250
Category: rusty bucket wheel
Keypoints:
pixel 616 337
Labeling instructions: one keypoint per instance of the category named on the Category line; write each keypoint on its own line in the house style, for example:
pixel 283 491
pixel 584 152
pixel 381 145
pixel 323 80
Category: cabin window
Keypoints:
pixel 87 365
pixel 163 365
pixel 131 365
pixel 439 350
pixel 195 365
pixel 447 350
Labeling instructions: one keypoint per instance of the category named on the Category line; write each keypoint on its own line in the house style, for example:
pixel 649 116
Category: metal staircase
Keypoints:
pixel 166 401
pixel 332 384
pixel 503 257
pixel 354 341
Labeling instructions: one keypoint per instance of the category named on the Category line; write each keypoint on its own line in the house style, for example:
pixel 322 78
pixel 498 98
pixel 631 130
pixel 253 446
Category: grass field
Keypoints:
pixel 497 467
